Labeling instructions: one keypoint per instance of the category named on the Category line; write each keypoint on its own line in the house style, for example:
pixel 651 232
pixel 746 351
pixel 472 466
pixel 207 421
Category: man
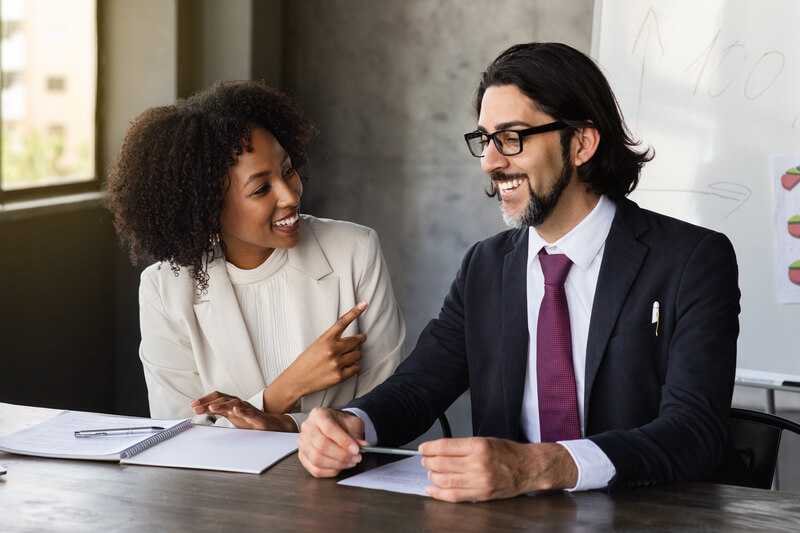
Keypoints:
pixel 615 367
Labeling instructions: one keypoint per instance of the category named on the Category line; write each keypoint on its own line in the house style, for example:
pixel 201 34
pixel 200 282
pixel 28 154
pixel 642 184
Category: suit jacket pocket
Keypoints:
pixel 632 359
pixel 640 338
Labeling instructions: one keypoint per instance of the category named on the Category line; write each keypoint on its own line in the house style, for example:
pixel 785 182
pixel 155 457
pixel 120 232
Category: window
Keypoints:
pixel 48 56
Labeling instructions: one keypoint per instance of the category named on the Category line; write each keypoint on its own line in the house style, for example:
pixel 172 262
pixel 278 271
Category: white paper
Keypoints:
pixel 55 437
pixel 215 448
pixel 407 476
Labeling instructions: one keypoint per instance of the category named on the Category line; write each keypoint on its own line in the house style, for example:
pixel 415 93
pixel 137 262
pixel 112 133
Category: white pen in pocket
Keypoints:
pixel 656 319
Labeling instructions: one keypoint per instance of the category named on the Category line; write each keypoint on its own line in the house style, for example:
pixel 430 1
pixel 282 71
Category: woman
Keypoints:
pixel 246 292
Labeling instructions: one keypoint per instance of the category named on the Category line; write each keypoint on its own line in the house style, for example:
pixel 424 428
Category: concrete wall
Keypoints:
pixel 231 40
pixel 391 85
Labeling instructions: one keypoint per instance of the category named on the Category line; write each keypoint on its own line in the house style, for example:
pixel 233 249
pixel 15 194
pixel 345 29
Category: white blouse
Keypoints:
pixel 264 295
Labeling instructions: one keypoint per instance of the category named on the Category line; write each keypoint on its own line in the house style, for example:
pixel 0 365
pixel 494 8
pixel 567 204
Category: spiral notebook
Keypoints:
pixel 180 444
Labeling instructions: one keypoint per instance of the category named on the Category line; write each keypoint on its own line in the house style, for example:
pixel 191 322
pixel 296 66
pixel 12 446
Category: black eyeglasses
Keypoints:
pixel 507 142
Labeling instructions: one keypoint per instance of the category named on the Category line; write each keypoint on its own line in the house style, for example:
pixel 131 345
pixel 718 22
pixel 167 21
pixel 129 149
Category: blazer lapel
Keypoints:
pixel 314 297
pixel 232 364
pixel 622 259
pixel 514 346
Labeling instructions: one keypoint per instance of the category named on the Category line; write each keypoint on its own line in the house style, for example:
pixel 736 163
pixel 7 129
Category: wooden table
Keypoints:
pixel 62 495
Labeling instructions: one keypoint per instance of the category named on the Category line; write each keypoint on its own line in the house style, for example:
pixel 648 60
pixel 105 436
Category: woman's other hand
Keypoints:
pixel 241 414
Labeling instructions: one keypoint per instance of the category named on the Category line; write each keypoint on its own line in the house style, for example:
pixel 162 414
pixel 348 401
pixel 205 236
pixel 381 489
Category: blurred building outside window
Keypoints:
pixel 48 59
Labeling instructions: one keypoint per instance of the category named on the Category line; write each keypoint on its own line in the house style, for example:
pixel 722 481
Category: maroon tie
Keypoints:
pixel 558 402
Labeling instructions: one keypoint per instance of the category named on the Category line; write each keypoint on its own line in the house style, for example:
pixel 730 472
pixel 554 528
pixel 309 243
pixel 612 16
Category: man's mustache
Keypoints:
pixel 499 175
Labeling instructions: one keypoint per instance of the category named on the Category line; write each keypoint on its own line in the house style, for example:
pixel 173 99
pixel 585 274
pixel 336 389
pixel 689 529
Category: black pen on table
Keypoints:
pixel 113 432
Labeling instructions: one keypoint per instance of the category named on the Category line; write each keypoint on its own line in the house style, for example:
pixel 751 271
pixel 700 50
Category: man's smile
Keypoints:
pixel 507 186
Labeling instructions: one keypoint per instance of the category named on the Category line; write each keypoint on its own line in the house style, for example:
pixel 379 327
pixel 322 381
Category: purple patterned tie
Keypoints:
pixel 558 402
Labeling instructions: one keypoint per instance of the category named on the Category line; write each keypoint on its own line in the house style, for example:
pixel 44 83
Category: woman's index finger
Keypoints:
pixel 341 324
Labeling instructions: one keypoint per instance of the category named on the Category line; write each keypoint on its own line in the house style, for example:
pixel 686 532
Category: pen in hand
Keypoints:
pixel 390 451
pixel 113 432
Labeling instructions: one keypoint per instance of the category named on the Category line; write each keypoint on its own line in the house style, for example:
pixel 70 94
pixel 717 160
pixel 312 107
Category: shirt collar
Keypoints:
pixel 583 242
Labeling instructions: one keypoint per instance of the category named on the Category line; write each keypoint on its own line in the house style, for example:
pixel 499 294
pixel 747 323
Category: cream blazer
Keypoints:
pixel 194 344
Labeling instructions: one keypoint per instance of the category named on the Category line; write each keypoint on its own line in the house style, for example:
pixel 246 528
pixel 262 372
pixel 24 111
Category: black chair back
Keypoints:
pixel 756 437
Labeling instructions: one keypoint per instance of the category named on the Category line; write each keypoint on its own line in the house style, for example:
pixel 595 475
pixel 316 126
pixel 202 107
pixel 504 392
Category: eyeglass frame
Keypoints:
pixel 544 128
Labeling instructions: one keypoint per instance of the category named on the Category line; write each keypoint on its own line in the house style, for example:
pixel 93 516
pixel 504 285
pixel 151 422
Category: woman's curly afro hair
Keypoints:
pixel 167 184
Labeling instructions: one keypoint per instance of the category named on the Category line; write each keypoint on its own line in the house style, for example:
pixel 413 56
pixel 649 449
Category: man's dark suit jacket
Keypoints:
pixel 656 404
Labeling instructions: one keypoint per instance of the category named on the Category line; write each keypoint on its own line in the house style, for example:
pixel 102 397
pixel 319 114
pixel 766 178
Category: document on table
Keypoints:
pixel 406 475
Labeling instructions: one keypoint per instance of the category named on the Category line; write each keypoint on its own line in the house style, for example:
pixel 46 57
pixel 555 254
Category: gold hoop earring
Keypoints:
pixel 214 239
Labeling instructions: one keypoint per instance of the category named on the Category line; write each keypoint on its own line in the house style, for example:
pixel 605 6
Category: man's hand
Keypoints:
pixel 479 468
pixel 329 441
pixel 241 413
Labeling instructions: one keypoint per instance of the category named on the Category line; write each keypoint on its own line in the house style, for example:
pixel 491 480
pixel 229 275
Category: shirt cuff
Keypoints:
pixel 370 435
pixel 257 400
pixel 298 419
pixel 595 469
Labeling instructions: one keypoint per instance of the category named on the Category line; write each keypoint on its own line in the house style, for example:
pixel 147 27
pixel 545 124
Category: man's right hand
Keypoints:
pixel 329 441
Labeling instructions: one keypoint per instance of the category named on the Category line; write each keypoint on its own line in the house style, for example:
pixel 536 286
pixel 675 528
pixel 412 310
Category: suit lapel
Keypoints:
pixel 514 316
pixel 622 259
pixel 314 297
pixel 232 363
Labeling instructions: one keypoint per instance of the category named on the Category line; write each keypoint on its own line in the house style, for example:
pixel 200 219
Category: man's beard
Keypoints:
pixel 539 206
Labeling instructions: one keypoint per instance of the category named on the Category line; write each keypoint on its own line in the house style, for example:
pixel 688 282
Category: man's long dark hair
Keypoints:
pixel 568 85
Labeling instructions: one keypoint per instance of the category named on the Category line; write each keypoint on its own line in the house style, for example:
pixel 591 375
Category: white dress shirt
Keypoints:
pixel 264 294
pixel 584 245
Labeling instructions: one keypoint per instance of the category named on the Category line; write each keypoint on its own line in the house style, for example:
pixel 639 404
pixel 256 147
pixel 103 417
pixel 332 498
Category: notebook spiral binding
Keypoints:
pixel 155 439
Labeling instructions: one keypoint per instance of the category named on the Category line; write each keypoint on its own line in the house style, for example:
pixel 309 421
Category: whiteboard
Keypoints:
pixel 714 87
